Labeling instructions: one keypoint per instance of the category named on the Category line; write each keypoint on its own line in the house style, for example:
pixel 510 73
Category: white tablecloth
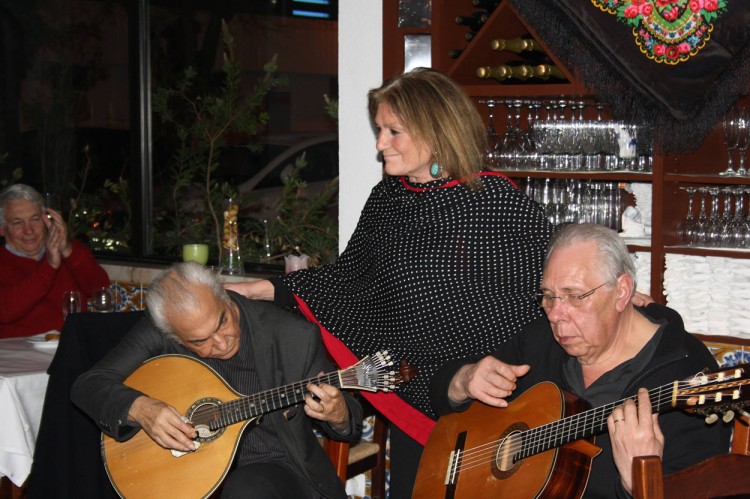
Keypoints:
pixel 23 382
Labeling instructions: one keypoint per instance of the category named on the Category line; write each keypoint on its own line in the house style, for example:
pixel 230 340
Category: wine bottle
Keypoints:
pixel 505 72
pixel 470 36
pixel 474 22
pixel 455 53
pixel 545 71
pixel 516 45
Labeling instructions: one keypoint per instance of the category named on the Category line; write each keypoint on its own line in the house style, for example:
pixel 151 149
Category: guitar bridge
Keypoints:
pixel 454 465
pixel 450 473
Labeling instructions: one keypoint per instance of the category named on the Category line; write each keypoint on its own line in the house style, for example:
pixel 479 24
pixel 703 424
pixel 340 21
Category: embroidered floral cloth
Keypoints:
pixel 667 31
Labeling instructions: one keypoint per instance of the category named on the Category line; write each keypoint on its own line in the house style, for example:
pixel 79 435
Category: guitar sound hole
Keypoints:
pixel 206 414
pixel 504 463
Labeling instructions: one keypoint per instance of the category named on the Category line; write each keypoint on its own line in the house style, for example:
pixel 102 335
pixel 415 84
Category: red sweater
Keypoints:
pixel 31 291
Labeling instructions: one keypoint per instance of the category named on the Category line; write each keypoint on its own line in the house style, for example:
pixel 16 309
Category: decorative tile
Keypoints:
pixel 129 296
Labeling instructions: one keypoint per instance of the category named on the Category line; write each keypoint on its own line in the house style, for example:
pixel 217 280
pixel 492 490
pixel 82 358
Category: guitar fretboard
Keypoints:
pixel 584 424
pixel 268 401
pixel 369 373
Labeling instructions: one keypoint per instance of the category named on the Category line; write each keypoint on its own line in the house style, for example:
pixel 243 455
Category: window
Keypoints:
pixel 90 123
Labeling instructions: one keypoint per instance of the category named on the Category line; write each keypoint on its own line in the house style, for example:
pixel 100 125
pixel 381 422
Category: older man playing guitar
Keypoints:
pixel 595 344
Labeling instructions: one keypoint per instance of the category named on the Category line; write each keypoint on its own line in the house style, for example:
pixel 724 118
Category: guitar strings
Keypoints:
pixel 227 413
pixel 533 441
pixel 278 398
pixel 139 441
pixel 538 440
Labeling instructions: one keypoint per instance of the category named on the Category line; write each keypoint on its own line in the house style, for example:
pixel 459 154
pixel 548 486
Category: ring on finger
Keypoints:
pixel 618 420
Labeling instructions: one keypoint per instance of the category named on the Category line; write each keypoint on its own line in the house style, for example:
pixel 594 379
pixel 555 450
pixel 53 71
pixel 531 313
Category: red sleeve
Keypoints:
pixel 87 273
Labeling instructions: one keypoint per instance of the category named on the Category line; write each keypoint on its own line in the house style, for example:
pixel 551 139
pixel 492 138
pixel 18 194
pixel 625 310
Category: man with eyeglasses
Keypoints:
pixel 597 345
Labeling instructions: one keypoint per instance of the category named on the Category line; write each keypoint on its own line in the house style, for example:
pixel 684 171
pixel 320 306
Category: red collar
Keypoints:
pixel 454 182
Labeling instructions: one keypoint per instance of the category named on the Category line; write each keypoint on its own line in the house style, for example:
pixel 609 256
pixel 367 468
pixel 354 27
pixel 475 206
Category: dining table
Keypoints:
pixel 23 384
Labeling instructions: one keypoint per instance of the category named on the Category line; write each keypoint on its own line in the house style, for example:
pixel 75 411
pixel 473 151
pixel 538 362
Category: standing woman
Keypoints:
pixel 443 264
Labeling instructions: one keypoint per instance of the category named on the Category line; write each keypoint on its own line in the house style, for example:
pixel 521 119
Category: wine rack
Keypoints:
pixel 453 54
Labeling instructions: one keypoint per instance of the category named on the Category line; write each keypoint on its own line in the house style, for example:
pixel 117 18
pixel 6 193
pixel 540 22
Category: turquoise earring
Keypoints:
pixel 436 170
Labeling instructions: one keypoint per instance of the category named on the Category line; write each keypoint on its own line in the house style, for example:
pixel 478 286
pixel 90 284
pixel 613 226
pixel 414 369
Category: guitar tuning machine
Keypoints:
pixel 711 418
pixel 728 416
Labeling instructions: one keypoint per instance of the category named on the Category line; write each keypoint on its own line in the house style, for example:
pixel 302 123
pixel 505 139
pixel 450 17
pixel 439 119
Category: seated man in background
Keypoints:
pixel 254 347
pixel 597 345
pixel 38 264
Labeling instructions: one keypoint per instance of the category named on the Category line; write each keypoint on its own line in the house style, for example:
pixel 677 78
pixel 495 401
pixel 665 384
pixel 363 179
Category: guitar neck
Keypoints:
pixel 587 423
pixel 371 373
pixel 272 400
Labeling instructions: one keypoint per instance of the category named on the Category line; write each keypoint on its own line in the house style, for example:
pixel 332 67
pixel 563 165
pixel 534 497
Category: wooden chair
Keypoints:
pixel 352 460
pixel 719 476
pixel 10 491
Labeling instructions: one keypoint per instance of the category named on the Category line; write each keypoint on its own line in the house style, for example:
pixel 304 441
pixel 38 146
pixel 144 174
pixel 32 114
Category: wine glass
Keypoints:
pixel 524 135
pixel 743 139
pixel 490 153
pixel 698 234
pixel 714 225
pixel 738 225
pixel 71 303
pixel 685 227
pixel 743 238
pixel 726 237
pixel 729 127
pixel 511 145
pixel 103 299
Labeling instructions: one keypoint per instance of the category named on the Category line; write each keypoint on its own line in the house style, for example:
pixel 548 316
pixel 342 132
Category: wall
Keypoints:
pixel 360 69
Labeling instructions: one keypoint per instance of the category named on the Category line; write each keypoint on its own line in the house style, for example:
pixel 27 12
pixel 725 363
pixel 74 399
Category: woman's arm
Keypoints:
pixel 255 290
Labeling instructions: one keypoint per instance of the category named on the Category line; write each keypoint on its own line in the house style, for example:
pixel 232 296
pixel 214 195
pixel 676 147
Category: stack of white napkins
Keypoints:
pixel 711 293
pixel 642 262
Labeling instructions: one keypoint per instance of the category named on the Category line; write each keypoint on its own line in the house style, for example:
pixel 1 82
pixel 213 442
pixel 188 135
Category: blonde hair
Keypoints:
pixel 436 112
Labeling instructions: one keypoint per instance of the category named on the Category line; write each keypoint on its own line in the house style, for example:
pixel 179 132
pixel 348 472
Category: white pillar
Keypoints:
pixel 360 69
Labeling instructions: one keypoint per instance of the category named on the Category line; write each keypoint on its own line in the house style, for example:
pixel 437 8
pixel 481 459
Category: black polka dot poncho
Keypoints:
pixel 433 272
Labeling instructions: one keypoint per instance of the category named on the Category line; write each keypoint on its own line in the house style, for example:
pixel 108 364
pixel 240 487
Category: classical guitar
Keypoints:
pixel 526 450
pixel 139 467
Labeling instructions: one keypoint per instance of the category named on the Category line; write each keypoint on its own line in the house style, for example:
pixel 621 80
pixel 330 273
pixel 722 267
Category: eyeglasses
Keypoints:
pixel 546 300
